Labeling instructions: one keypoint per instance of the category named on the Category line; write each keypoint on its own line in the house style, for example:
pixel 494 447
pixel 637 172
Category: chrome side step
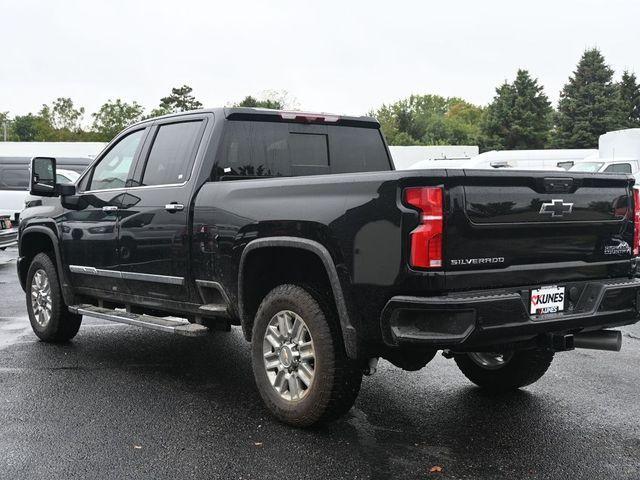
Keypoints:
pixel 179 327
pixel 214 308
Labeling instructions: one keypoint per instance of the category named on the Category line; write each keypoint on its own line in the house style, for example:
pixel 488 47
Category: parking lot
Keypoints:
pixel 121 402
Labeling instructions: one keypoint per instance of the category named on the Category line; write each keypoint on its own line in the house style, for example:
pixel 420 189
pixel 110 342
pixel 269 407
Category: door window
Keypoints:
pixel 619 168
pixel 113 170
pixel 172 154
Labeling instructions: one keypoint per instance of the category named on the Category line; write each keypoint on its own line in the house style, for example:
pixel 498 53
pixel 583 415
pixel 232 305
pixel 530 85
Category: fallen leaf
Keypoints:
pixel 435 469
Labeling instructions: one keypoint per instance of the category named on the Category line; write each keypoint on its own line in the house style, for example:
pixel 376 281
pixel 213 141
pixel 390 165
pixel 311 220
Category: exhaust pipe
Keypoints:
pixel 610 340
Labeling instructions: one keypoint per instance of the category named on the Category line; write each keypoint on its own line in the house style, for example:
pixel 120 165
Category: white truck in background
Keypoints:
pixel 618 151
pixel 15 157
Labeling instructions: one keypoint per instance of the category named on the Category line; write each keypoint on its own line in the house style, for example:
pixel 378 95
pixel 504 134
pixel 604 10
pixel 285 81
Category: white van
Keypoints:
pixel 14 181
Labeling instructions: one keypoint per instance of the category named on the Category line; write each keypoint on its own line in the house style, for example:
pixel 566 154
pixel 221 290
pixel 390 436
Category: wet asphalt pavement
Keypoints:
pixel 121 402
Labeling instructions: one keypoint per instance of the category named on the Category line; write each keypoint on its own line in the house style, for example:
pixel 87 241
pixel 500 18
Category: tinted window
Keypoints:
pixel 258 149
pixel 619 168
pixel 172 154
pixel 14 178
pixel 356 149
pixel 113 170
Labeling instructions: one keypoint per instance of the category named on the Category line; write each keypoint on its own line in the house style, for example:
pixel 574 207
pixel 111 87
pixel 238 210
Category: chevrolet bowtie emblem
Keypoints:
pixel 556 208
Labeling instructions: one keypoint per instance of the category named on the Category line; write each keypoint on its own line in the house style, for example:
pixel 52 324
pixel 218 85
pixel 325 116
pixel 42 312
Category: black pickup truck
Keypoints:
pixel 296 227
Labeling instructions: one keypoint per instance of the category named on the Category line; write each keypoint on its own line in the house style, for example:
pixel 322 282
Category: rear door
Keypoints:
pixel 521 228
pixel 154 230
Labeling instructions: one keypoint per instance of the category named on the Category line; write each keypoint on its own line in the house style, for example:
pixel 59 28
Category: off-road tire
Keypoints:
pixel 337 379
pixel 524 368
pixel 62 325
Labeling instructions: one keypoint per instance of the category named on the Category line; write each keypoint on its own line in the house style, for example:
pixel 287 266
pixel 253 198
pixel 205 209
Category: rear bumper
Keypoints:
pixel 8 237
pixel 473 320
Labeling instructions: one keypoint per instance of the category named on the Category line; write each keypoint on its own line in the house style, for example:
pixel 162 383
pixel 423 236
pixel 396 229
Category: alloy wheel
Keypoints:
pixel 41 302
pixel 289 355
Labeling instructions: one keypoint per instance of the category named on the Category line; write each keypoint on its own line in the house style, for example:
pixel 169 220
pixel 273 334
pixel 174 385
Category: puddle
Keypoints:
pixel 12 329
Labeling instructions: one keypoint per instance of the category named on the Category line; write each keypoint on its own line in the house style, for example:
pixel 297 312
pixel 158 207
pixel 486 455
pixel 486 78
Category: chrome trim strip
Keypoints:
pixel 83 269
pixel 149 277
pixel 99 272
pixel 135 188
pixel 144 277
pixel 108 273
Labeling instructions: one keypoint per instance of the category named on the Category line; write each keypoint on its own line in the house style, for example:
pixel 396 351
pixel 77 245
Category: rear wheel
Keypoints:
pixel 49 317
pixel 504 371
pixel 299 363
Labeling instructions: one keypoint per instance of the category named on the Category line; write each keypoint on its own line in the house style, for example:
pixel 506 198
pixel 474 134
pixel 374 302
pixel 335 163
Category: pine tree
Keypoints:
pixel 589 104
pixel 629 91
pixel 520 116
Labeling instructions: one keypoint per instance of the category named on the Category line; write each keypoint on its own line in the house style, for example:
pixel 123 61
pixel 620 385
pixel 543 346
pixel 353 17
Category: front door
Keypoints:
pixel 154 225
pixel 90 229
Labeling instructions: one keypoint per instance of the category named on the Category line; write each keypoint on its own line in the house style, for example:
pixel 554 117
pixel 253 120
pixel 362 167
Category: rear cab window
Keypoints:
pixel 254 149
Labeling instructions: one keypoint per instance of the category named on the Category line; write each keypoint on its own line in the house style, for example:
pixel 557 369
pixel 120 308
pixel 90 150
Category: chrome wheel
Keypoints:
pixel 41 302
pixel 289 356
pixel 490 360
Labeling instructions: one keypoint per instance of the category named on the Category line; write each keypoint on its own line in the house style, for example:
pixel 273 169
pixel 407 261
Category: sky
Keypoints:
pixel 332 56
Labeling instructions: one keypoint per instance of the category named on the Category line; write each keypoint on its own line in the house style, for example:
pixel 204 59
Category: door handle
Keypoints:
pixel 174 207
pixel 109 208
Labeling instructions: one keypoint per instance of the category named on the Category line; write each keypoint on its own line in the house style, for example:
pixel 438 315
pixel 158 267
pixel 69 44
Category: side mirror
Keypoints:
pixel 43 177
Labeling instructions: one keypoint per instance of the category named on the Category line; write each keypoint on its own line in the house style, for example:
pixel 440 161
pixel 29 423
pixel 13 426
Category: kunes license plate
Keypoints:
pixel 547 300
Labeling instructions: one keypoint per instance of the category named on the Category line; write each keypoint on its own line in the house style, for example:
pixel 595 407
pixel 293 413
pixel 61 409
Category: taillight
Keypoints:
pixel 426 238
pixel 636 222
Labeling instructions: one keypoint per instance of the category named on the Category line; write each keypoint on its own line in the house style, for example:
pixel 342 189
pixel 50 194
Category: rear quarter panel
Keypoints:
pixel 357 217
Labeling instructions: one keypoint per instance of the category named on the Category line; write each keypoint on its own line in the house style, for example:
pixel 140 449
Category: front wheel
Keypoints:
pixel 49 317
pixel 299 363
pixel 504 371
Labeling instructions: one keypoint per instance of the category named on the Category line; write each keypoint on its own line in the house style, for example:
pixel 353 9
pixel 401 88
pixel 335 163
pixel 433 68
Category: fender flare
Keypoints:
pixel 349 333
pixel 67 294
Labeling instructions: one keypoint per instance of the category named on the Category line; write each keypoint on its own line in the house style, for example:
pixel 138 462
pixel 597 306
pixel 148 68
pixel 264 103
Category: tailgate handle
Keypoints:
pixel 558 185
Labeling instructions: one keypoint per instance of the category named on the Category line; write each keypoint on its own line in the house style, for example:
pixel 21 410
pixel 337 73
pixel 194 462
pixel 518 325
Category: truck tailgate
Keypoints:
pixel 519 228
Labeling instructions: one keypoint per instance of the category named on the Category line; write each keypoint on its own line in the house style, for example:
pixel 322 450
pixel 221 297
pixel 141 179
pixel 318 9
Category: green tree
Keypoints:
pixel 589 104
pixel 519 117
pixel 430 120
pixel 180 100
pixel 114 116
pixel 28 128
pixel 250 101
pixel 629 91
pixel 63 115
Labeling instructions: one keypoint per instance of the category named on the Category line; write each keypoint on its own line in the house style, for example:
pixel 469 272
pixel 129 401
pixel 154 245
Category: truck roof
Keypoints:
pixel 290 116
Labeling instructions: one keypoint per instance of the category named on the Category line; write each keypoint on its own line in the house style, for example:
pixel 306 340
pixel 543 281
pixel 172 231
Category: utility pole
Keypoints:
pixel 4 128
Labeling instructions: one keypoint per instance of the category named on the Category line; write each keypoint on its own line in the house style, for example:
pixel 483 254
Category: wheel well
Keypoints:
pixel 266 268
pixel 31 244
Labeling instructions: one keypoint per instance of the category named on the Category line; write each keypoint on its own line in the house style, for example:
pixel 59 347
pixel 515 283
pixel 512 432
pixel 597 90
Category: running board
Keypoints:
pixel 214 308
pixel 179 327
